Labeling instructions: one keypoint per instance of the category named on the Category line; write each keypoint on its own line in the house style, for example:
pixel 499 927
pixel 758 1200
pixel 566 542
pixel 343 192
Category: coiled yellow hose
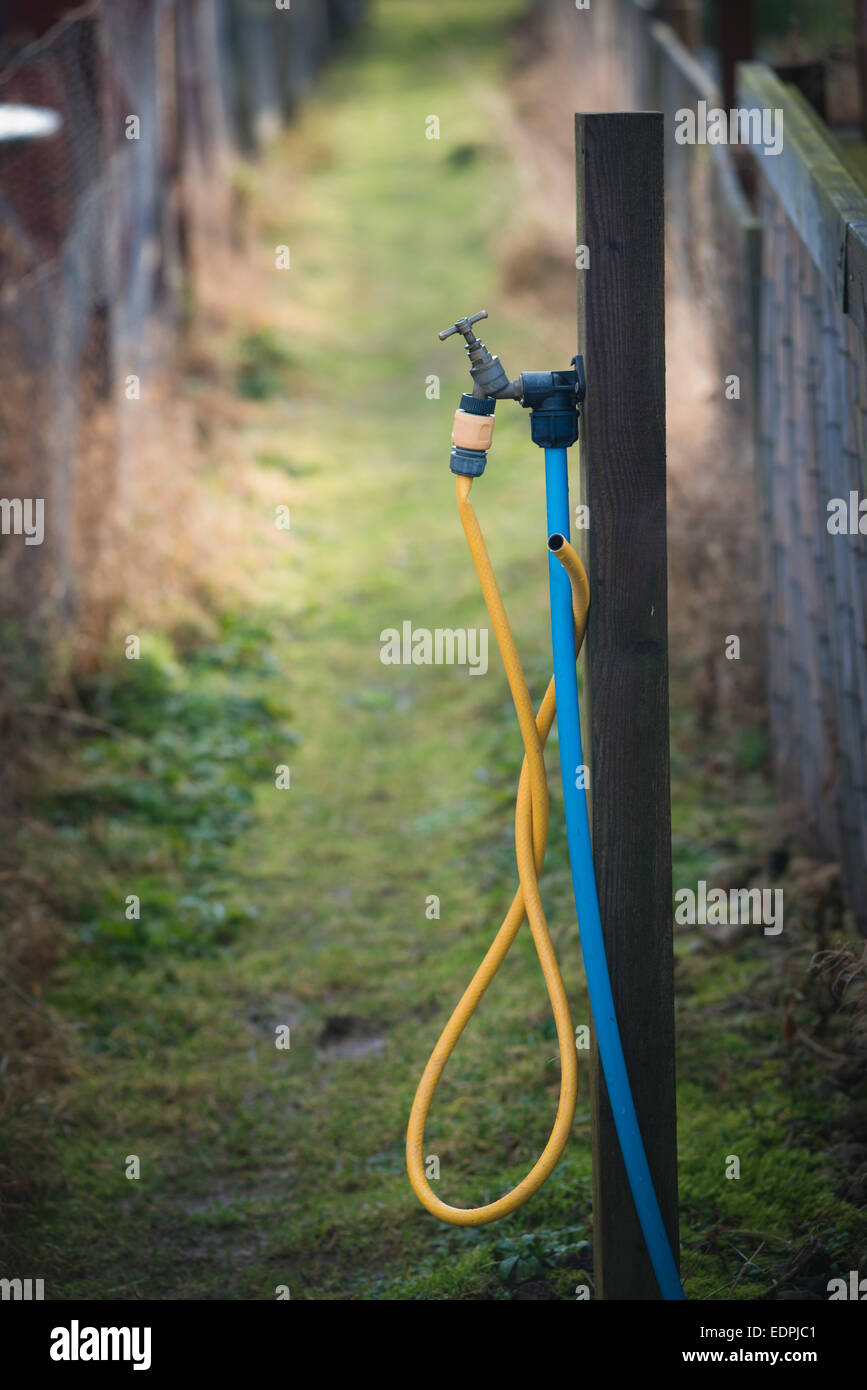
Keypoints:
pixel 531 838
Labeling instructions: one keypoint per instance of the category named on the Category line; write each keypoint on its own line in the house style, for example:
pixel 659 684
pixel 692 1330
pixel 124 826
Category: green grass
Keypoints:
pixel 305 907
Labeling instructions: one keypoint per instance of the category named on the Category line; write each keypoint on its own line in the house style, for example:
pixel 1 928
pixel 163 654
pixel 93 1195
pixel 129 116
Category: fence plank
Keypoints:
pixel 856 274
pixel 818 192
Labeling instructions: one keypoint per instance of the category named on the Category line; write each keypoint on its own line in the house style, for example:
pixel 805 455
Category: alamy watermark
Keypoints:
pixel 22 1290
pixel 854 1288
pixel 758 126
pixel 445 646
pixel 847 517
pixel 77 1343
pixel 715 907
pixel 23 516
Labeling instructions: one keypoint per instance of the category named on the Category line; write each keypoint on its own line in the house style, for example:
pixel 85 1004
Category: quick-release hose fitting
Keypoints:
pixel 471 436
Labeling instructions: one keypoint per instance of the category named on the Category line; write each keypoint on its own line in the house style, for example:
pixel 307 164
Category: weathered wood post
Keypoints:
pixel 621 333
pixel 736 36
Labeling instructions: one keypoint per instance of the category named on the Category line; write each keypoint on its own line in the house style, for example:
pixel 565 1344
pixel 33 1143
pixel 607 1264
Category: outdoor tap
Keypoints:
pixel 489 375
pixel 553 399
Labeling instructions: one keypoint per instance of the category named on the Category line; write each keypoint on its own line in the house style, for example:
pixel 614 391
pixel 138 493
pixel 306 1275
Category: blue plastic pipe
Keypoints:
pixel 584 887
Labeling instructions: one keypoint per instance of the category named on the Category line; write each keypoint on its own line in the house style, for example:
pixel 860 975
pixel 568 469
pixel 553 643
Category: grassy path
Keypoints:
pixel 305 907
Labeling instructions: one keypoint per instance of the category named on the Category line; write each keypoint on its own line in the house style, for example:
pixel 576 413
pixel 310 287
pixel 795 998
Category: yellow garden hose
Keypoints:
pixel 531 837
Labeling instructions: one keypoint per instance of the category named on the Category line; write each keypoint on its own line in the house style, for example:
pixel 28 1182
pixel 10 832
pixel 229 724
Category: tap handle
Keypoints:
pixel 464 326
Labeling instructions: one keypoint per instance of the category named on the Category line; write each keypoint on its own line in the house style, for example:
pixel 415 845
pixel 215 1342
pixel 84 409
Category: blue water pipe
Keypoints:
pixel 584 887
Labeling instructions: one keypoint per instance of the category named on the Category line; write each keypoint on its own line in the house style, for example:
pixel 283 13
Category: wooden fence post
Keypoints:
pixel 621 333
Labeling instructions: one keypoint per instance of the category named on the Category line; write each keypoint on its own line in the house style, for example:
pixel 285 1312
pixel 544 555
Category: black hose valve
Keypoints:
pixel 554 401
